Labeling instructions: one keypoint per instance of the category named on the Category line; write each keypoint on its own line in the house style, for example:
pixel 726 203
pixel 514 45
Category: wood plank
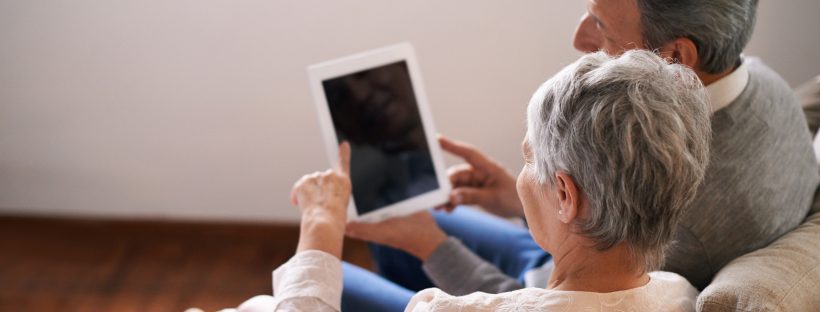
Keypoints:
pixel 52 264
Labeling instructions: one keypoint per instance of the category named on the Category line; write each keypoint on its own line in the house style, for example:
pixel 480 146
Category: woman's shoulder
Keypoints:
pixel 665 292
pixel 527 299
pixel 668 279
pixel 672 290
pixel 670 283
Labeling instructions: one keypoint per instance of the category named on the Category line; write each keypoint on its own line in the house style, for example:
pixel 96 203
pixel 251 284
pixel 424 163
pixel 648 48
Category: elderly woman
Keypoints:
pixel 614 152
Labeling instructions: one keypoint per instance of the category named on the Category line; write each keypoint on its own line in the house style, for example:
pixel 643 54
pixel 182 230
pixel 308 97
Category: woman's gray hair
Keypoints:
pixel 633 132
pixel 719 28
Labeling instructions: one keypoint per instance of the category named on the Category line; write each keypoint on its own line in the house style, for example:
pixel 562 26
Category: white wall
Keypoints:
pixel 787 38
pixel 200 109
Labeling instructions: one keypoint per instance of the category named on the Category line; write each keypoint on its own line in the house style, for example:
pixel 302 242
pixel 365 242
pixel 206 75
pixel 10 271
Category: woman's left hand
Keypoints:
pixel 325 193
pixel 322 198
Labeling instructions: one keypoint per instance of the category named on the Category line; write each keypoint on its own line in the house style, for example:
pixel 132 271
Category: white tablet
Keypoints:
pixel 375 100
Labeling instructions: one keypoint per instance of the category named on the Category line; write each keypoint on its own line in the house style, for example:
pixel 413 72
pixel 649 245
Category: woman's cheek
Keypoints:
pixel 519 183
pixel 524 187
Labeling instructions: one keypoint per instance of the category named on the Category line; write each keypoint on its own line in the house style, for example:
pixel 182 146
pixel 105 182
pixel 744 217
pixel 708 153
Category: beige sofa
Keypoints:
pixel 784 276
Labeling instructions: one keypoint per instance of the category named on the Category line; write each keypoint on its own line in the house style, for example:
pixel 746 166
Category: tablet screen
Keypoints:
pixel 376 111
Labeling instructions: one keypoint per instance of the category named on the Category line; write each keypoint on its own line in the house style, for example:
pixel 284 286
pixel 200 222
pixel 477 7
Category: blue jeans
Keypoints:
pixel 508 247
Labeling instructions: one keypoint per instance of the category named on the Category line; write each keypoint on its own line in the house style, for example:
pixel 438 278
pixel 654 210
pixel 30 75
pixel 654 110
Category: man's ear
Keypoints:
pixel 682 51
pixel 569 199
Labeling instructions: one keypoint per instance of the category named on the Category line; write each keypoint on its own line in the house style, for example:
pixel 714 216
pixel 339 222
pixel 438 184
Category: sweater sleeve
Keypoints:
pixel 458 271
pixel 310 281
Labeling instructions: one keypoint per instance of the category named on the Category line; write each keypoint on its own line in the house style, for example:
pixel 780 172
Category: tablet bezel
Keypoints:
pixel 368 60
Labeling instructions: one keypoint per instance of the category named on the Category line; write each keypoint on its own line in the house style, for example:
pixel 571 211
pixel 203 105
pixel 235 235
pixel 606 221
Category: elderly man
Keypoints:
pixel 759 183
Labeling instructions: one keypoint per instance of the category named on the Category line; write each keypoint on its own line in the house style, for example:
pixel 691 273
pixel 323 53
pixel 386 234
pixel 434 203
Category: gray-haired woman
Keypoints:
pixel 615 151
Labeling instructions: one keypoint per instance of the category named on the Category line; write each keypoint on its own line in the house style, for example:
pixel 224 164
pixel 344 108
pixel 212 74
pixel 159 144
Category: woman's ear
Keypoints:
pixel 569 199
pixel 682 51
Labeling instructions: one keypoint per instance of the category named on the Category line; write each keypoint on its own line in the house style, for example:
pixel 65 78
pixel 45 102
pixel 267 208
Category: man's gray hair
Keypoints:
pixel 633 132
pixel 719 28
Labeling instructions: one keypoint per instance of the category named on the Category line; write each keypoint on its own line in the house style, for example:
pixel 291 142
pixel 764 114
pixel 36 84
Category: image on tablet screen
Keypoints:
pixel 376 111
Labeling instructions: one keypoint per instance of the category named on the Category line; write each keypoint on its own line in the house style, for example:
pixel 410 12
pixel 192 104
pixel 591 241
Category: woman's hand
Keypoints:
pixel 323 197
pixel 417 234
pixel 481 182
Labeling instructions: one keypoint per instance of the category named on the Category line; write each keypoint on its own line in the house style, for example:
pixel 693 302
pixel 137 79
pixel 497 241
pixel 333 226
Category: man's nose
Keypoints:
pixel 587 39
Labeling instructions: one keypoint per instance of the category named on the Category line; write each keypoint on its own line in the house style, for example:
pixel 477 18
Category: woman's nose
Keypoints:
pixel 587 38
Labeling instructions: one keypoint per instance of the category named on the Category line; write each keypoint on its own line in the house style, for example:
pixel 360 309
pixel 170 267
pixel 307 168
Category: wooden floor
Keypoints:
pixel 82 265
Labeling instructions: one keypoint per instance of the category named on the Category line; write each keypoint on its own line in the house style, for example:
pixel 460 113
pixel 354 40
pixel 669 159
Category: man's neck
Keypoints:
pixel 708 79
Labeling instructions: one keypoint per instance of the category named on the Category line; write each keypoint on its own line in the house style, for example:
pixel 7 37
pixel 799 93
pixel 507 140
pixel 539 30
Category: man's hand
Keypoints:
pixel 322 197
pixel 481 181
pixel 417 234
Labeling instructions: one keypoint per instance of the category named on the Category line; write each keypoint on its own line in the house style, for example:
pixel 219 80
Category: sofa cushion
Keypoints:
pixel 784 276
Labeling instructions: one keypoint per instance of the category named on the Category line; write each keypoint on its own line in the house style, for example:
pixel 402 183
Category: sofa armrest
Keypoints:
pixel 784 276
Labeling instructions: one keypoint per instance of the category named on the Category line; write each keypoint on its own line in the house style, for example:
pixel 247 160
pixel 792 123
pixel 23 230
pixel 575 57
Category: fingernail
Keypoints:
pixel 459 198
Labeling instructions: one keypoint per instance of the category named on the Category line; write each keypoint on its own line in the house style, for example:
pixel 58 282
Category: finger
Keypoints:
pixel 459 167
pixel 454 147
pixel 294 190
pixel 445 207
pixel 344 157
pixel 465 175
pixel 293 194
pixel 470 196
pixel 460 175
pixel 470 154
pixel 327 173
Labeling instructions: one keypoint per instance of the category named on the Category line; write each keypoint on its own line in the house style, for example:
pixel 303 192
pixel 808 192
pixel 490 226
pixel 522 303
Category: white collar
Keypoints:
pixel 726 90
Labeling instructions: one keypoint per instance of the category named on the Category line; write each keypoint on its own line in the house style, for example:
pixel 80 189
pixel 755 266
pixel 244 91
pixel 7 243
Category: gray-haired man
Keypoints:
pixel 759 184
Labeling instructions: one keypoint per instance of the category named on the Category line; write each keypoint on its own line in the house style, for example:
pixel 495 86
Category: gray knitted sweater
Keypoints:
pixel 759 185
